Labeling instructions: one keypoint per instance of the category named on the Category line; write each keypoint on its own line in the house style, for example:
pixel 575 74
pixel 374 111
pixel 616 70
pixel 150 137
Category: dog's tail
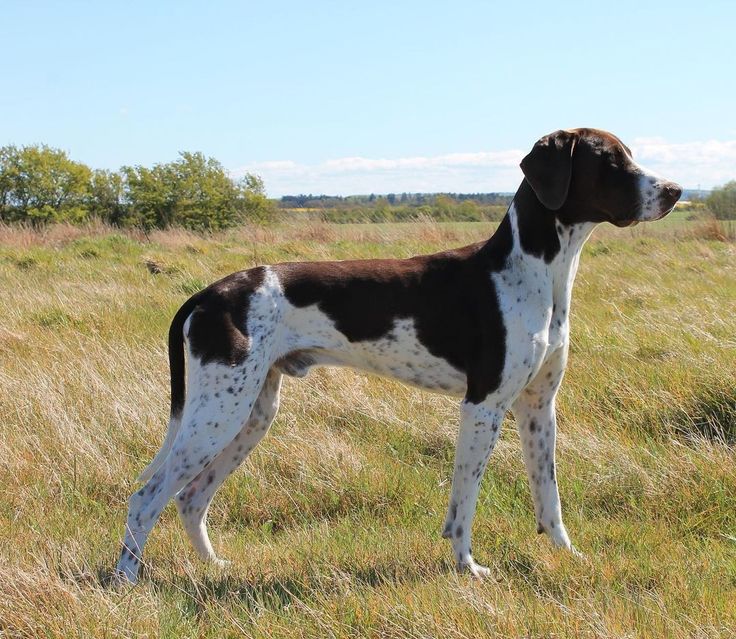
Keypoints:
pixel 178 384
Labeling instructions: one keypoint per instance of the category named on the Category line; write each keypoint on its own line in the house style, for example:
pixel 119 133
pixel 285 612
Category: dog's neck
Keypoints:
pixel 540 248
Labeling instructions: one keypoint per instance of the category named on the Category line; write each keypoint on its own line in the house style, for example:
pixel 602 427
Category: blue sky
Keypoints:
pixel 355 97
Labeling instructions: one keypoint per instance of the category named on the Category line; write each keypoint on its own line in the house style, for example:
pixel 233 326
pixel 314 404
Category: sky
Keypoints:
pixel 371 97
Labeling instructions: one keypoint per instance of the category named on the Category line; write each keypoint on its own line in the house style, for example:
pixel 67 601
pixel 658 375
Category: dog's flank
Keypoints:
pixel 487 323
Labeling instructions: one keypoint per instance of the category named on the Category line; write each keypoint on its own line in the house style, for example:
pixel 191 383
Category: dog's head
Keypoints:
pixel 588 175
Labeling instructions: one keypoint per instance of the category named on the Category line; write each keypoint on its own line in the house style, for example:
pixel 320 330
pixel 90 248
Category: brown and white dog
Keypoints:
pixel 487 323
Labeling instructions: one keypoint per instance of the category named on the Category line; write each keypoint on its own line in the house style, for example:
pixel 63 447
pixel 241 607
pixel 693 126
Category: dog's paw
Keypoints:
pixel 120 579
pixel 577 554
pixel 468 564
pixel 221 563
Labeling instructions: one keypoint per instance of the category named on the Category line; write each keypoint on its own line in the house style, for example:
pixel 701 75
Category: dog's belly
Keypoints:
pixel 312 340
pixel 402 356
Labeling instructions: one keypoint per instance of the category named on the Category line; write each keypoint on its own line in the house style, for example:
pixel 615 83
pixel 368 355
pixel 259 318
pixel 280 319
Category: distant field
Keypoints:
pixel 333 524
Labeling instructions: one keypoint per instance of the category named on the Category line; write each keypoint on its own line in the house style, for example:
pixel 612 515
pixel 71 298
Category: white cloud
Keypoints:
pixel 707 163
pixel 693 163
pixel 459 172
pixel 469 160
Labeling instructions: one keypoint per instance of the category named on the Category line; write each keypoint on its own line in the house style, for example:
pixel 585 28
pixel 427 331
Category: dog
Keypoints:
pixel 487 323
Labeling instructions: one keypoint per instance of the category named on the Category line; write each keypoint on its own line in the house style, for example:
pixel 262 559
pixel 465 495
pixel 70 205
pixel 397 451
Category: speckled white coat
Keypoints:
pixel 229 409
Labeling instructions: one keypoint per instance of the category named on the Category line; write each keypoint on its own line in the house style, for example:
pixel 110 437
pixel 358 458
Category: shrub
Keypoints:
pixel 41 185
pixel 722 201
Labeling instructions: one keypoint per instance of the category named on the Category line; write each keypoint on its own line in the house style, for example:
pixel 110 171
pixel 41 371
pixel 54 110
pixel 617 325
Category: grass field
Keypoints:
pixel 333 524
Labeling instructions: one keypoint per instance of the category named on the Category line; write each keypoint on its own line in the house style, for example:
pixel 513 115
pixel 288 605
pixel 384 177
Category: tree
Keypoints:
pixel 255 205
pixel 7 179
pixel 107 197
pixel 468 211
pixel 205 196
pixel 722 201
pixel 149 195
pixel 41 184
pixel 195 192
pixel 443 207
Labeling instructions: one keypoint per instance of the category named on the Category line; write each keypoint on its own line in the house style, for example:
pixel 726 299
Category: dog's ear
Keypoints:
pixel 548 167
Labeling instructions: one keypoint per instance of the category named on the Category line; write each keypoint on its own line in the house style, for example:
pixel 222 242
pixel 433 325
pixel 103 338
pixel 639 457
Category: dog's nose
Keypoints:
pixel 672 191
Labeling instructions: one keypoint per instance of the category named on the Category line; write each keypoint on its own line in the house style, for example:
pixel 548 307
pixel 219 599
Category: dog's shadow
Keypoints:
pixel 265 590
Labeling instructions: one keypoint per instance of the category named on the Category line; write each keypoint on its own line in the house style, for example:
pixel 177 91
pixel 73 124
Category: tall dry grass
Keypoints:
pixel 333 524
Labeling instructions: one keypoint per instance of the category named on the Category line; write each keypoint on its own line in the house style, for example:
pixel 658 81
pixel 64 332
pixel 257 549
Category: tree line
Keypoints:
pixel 39 184
pixel 441 207
pixel 392 199
pixel 437 207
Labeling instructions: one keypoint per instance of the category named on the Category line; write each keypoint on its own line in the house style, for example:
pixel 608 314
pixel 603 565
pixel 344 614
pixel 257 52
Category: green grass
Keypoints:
pixel 333 524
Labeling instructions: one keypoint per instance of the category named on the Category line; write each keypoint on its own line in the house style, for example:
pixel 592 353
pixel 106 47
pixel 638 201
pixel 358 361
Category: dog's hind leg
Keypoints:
pixel 163 452
pixel 220 399
pixel 536 420
pixel 194 499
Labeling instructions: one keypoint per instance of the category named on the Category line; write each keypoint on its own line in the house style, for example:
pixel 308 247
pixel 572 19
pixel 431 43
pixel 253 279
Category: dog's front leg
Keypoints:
pixel 480 425
pixel 536 420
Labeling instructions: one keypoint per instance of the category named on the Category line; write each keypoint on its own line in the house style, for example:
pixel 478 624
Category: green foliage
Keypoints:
pixel 40 185
pixel 722 201
pixel 413 199
pixel 253 192
pixel 440 208
pixel 107 196
pixel 194 192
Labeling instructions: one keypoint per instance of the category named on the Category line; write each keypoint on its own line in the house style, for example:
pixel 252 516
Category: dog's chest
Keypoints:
pixel 534 301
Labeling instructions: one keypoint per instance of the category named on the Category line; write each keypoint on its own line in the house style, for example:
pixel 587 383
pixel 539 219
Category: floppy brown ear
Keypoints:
pixel 548 168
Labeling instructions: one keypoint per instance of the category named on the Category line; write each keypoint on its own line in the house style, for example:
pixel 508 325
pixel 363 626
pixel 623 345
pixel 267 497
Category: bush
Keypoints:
pixel 194 192
pixel 722 201
pixel 441 209
pixel 41 185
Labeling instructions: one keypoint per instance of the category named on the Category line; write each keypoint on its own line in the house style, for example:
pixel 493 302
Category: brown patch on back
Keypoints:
pixel 450 296
pixel 217 330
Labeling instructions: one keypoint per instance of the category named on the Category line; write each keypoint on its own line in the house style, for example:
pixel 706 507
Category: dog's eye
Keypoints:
pixel 616 158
